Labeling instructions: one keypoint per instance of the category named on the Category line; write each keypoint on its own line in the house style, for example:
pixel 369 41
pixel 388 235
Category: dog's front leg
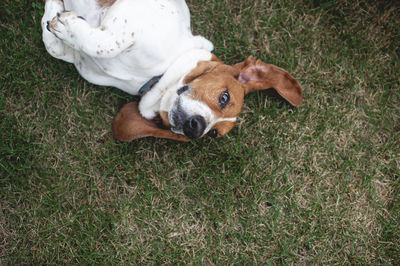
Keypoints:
pixel 54 46
pixel 98 42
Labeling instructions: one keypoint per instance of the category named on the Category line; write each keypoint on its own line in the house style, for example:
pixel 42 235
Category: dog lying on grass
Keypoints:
pixel 146 47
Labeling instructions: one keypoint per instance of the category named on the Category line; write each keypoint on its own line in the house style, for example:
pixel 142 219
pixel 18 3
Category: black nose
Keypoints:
pixel 194 127
pixel 182 90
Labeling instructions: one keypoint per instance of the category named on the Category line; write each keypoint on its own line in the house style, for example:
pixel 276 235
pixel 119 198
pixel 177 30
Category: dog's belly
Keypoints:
pixel 109 72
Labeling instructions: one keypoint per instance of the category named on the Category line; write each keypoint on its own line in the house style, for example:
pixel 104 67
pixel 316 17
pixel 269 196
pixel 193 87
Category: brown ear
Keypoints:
pixel 257 75
pixel 129 125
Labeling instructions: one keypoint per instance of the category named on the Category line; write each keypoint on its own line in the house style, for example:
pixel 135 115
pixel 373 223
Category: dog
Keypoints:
pixel 146 47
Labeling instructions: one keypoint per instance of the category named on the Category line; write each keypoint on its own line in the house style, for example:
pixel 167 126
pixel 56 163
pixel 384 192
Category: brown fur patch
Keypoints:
pixel 106 2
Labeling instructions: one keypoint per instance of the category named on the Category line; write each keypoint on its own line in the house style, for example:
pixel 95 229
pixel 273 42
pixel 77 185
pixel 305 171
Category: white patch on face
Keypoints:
pixel 194 107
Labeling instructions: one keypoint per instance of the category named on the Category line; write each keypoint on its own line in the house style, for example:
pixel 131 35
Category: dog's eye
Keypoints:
pixel 224 98
pixel 213 133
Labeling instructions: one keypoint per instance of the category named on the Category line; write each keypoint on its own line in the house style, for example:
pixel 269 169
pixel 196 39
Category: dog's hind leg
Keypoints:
pixel 54 45
pixel 97 42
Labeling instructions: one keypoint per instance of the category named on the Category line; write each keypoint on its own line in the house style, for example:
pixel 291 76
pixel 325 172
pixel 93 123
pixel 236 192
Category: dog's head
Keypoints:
pixel 209 100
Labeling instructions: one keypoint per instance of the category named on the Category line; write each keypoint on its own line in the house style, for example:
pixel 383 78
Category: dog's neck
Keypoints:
pixel 164 93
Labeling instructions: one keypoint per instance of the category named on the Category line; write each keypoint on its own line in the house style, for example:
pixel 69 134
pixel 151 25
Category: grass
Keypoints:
pixel 313 185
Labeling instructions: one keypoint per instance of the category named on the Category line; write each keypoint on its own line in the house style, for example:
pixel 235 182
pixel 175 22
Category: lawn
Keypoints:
pixel 317 184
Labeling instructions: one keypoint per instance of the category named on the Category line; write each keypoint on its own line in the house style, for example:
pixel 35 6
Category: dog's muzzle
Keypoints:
pixel 192 126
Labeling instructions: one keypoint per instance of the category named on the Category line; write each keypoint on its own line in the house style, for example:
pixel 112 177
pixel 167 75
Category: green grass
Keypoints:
pixel 313 185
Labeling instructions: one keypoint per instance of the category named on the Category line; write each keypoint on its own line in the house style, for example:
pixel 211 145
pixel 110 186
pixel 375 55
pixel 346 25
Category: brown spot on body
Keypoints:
pixel 105 3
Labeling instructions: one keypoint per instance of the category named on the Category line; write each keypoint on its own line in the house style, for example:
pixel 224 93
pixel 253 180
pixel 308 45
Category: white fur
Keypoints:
pixel 127 44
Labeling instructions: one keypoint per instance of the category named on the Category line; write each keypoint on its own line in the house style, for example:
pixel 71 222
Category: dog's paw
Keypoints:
pixel 149 114
pixel 63 26
pixel 51 8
